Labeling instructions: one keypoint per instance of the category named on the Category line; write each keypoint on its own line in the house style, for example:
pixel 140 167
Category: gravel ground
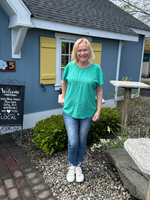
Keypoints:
pixel 102 181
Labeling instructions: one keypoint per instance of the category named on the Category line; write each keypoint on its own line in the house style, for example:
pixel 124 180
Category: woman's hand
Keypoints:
pixel 64 88
pixel 62 101
pixel 96 116
pixel 99 93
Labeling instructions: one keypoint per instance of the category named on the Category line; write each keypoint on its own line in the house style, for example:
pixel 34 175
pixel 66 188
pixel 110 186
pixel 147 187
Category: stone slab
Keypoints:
pixel 26 193
pixel 17 174
pixel 5 174
pixel 5 154
pixel 32 175
pixel 35 181
pixel 4 198
pixel 13 166
pixel 1 182
pixel 9 183
pixel 3 166
pixel 40 187
pixel 3 192
pixel 129 84
pixel 44 195
pixel 139 150
pixel 21 182
pixel 133 179
pixel 13 194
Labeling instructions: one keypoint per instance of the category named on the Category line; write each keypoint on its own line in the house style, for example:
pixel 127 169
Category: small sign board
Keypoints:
pixel 11 66
pixel 11 104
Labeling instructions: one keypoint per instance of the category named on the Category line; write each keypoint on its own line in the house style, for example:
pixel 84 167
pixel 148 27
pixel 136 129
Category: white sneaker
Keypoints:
pixel 79 175
pixel 70 174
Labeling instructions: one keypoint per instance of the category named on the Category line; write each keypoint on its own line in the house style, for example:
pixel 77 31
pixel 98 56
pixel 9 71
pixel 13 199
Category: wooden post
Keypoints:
pixel 148 189
pixel 125 111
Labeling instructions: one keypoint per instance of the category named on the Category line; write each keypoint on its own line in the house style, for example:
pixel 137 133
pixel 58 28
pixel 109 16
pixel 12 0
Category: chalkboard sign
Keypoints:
pixel 11 104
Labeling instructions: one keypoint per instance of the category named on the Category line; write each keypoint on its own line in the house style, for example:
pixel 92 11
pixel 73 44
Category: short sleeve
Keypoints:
pixel 101 78
pixel 65 73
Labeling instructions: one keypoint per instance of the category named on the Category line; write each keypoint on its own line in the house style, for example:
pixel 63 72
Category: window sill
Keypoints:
pixel 57 87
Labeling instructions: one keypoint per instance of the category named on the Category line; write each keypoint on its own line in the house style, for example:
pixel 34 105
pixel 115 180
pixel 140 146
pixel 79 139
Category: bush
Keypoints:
pixel 108 117
pixel 51 136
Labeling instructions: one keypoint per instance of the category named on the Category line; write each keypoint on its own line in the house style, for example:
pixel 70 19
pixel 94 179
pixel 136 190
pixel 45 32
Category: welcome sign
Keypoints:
pixel 11 104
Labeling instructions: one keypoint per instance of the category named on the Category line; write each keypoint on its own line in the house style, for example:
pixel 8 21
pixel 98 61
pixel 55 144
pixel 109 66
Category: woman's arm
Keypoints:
pixel 99 94
pixel 64 88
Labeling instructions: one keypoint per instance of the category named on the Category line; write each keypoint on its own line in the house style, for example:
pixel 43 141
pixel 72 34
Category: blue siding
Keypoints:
pixel 28 67
pixel 108 62
pixel 36 99
pixel 131 59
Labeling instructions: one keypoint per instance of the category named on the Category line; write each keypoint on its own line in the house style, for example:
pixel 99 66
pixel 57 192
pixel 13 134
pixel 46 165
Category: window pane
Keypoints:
pixel 62 72
pixel 65 48
pixel 71 47
pixel 64 61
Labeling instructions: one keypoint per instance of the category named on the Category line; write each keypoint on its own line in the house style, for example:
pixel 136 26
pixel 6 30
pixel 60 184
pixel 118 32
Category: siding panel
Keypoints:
pixel 131 59
pixel 108 63
pixel 28 67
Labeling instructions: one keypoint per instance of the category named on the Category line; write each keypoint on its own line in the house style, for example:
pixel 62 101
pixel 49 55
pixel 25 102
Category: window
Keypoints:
pixel 66 51
pixel 64 46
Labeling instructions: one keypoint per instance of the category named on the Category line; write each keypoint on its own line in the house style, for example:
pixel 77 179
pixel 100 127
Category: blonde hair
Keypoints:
pixel 75 49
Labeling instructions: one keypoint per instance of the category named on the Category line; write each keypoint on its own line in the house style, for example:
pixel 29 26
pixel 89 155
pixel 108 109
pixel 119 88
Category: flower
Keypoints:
pixel 99 145
pixel 3 64
pixel 103 141
pixel 108 129
pixel 92 149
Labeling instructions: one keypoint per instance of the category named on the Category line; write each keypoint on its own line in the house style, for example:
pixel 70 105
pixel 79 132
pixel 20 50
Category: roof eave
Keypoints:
pixel 141 32
pixel 67 28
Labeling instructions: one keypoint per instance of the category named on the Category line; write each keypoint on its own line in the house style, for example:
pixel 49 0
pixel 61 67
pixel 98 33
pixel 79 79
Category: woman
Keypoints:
pixel 81 79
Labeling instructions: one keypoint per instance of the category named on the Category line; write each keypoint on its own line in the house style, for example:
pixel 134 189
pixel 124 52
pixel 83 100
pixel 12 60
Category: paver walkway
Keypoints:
pixel 19 179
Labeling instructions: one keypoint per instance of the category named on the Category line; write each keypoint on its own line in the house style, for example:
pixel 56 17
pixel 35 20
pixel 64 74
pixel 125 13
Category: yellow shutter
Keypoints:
pixel 47 60
pixel 97 48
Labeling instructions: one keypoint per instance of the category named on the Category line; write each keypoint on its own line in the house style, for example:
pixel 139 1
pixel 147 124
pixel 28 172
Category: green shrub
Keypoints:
pixel 51 136
pixel 108 117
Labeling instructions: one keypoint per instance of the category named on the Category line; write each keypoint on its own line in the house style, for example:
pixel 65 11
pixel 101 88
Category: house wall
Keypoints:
pixel 28 68
pixel 131 56
pixel 108 63
pixel 40 104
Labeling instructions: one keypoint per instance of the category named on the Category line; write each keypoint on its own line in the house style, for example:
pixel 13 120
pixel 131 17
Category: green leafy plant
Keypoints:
pixel 120 139
pixel 118 142
pixel 108 117
pixel 50 134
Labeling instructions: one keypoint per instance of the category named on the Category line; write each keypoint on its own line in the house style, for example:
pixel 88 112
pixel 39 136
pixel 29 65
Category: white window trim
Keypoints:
pixel 59 38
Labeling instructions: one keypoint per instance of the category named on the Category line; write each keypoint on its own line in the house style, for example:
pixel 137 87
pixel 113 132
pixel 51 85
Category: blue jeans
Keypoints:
pixel 77 131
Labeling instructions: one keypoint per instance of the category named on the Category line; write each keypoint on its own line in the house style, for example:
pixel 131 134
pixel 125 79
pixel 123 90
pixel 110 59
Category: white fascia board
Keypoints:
pixel 72 29
pixel 18 13
pixel 141 32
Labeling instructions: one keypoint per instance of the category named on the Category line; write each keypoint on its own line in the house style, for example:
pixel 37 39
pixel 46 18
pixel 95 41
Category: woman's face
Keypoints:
pixel 83 52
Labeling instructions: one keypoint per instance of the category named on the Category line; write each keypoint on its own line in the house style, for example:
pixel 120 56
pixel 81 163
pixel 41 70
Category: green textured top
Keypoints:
pixel 80 98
